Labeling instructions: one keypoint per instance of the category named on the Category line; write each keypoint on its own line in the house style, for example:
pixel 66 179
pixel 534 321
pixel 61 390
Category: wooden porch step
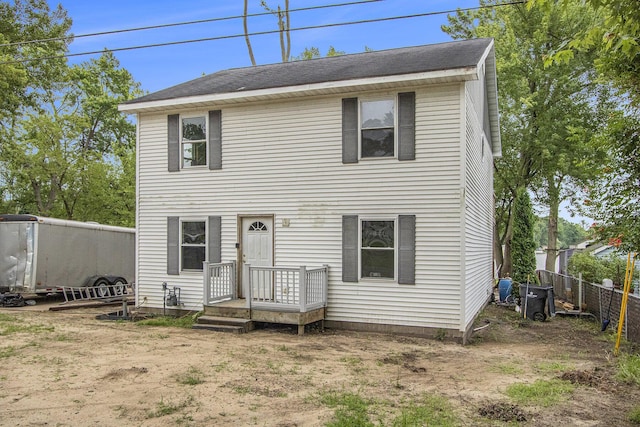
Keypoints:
pixel 224 324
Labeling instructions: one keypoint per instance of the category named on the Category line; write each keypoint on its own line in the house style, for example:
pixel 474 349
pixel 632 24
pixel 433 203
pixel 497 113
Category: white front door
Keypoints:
pixel 257 250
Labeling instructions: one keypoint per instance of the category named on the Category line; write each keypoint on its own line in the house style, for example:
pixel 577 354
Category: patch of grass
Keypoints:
pixel 184 420
pixel 351 409
pixel 354 363
pixel 351 360
pixel 220 366
pixel 508 368
pixel 122 411
pixel 542 392
pixel 167 408
pixel 629 369
pixel 7 352
pixel 242 389
pixel 274 367
pixel 12 325
pixel 552 367
pixel 430 411
pixel 634 415
pixel 161 336
pixel 168 321
pixel 193 376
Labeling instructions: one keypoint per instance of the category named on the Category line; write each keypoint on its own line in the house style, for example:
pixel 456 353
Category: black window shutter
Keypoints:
pixel 173 245
pixel 215 139
pixel 214 239
pixel 350 130
pixel 407 126
pixel 349 248
pixel 407 249
pixel 173 124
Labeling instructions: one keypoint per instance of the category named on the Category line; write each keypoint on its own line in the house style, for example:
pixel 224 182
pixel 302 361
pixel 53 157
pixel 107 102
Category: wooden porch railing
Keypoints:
pixel 287 289
pixel 219 282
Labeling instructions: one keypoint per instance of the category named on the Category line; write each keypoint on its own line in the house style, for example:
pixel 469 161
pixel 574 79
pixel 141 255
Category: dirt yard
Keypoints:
pixel 69 369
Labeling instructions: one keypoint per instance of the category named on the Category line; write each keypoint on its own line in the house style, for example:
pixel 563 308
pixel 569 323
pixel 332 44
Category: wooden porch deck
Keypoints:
pixel 237 309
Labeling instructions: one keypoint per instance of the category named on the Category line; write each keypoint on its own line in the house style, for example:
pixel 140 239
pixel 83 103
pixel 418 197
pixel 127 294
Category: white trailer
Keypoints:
pixel 42 255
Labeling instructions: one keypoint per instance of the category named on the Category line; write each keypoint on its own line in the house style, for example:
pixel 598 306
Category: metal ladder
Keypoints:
pixel 102 292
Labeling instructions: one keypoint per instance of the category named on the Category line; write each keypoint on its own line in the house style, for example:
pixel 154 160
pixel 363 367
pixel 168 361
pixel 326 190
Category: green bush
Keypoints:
pixel 595 269
pixel 592 268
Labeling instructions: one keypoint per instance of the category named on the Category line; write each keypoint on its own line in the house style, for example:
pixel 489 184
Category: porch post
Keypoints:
pixel 247 291
pixel 207 283
pixel 232 280
pixel 303 289
pixel 325 284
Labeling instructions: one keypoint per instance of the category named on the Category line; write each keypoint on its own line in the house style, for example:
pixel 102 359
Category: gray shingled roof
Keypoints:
pixel 418 59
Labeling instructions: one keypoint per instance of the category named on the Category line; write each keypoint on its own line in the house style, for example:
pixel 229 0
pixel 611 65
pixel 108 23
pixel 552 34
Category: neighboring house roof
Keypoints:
pixel 606 250
pixel 443 62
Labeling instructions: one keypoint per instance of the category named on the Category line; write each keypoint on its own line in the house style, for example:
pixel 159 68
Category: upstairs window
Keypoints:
pixel 377 128
pixel 194 141
pixel 373 128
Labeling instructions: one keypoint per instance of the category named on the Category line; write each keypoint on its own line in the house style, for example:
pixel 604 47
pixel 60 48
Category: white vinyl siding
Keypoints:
pixel 478 210
pixel 284 158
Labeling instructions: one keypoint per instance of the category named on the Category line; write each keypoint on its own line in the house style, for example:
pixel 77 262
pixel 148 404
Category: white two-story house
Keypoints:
pixel 355 189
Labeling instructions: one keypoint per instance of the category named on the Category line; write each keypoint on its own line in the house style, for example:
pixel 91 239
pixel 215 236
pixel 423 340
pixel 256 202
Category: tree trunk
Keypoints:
pixel 288 28
pixel 281 28
pixel 246 34
pixel 507 264
pixel 498 256
pixel 552 233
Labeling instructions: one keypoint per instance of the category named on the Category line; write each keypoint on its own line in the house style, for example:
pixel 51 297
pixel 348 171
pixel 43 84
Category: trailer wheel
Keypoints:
pixel 119 287
pixel 102 288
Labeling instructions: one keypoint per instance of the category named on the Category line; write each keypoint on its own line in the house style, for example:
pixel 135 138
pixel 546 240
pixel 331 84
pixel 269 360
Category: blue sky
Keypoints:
pixel 161 67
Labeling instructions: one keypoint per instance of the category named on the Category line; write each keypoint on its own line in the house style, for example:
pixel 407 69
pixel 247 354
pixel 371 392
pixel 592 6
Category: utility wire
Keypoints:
pixel 177 24
pixel 232 36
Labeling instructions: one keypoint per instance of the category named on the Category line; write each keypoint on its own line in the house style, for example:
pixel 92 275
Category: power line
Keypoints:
pixel 260 33
pixel 177 24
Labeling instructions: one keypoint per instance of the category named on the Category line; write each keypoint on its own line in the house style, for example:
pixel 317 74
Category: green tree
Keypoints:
pixel 523 245
pixel 613 200
pixel 24 77
pixel 615 38
pixel 74 156
pixel 543 112
pixel 569 234
pixel 313 52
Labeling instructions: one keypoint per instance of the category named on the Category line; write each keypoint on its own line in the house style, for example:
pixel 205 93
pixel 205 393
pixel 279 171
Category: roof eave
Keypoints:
pixel 440 76
pixel 489 58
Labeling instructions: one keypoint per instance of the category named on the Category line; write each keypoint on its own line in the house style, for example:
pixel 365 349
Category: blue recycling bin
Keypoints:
pixel 505 287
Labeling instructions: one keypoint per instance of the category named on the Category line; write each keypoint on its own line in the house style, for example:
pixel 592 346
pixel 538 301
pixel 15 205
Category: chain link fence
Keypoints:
pixel 601 301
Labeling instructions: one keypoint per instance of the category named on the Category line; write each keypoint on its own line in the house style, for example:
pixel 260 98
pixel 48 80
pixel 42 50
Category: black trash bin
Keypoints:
pixel 533 301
